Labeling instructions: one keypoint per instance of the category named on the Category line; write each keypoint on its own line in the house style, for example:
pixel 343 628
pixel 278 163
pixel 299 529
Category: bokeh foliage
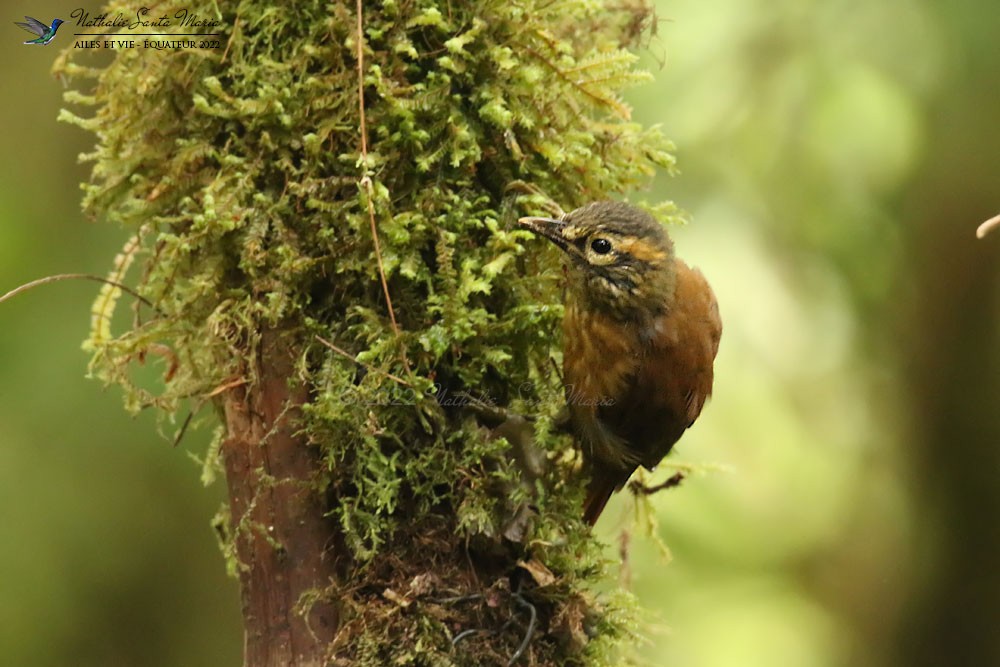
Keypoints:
pixel 251 182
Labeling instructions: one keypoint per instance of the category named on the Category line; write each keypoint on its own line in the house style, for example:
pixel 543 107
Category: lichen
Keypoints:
pixel 242 174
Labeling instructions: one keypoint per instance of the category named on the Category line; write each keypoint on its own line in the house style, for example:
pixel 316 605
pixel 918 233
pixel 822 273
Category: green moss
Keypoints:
pixel 241 174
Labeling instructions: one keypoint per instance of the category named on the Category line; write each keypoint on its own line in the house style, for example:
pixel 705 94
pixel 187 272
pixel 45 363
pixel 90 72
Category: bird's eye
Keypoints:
pixel 601 246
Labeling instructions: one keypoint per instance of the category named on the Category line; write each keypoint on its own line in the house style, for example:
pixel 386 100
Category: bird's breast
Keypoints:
pixel 599 357
pixel 639 384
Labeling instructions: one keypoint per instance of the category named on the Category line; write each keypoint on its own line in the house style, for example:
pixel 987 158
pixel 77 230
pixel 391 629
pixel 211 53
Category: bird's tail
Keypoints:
pixel 602 485
pixel 597 498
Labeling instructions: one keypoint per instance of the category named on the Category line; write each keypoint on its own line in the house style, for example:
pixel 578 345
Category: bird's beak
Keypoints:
pixel 550 228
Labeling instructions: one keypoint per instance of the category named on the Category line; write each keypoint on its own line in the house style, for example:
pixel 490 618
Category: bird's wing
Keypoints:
pixel 695 296
pixel 674 378
pixel 33 25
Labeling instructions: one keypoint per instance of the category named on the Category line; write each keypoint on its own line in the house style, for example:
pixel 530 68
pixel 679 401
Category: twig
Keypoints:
pixel 367 367
pixel 184 427
pixel 76 276
pixel 988 226
pixel 225 386
pixel 366 181
pixel 639 488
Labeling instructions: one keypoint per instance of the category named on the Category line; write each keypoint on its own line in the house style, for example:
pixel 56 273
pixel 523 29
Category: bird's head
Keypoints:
pixel 621 259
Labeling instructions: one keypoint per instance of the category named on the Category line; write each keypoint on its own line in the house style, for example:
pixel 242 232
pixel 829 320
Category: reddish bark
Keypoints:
pixel 283 542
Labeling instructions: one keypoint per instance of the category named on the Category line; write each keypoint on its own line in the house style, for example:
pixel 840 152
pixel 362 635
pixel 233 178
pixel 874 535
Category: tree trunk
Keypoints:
pixel 280 534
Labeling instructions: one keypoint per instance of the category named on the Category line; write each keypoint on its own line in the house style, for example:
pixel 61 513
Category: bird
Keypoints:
pixel 45 33
pixel 641 331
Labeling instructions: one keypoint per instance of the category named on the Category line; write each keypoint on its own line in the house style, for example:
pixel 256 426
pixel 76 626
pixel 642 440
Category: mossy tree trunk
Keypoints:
pixel 292 547
pixel 323 214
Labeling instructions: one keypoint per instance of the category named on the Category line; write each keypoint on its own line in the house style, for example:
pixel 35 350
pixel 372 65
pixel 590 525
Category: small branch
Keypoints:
pixel 184 427
pixel 76 276
pixel 641 489
pixel 226 386
pixel 367 367
pixel 988 226
pixel 366 181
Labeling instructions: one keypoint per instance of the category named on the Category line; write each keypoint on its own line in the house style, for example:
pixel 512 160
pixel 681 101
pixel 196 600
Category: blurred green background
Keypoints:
pixel 836 158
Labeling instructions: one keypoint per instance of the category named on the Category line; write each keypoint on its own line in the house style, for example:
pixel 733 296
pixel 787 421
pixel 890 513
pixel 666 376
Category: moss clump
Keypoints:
pixel 251 189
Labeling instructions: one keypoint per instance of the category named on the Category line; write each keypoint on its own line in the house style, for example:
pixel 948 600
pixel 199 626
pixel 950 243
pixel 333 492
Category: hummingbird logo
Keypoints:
pixel 45 33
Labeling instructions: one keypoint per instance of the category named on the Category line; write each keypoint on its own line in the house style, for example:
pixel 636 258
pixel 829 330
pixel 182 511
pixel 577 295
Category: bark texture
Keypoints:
pixel 282 539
